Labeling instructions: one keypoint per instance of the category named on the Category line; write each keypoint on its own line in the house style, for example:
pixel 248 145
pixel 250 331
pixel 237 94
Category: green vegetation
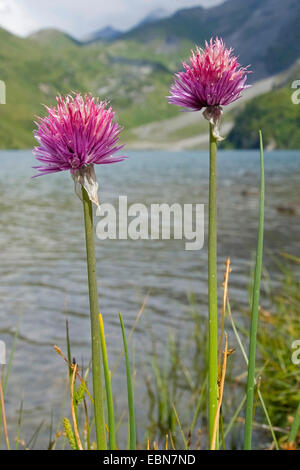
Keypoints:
pixel 134 77
pixel 255 308
pixel 273 113
pixel 195 24
pixel 279 328
pixel 182 374
pixel 177 379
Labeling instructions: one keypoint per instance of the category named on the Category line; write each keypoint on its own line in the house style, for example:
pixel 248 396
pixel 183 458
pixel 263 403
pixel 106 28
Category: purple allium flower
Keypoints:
pixel 214 78
pixel 77 133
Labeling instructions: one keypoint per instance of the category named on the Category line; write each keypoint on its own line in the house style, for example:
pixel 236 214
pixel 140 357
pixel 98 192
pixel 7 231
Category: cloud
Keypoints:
pixel 82 17
pixel 16 18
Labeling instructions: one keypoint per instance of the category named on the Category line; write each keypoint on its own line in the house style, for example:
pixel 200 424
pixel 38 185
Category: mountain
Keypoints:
pixel 266 33
pixel 274 113
pixel 33 74
pixel 153 16
pixel 134 71
pixel 107 33
pixel 53 37
pixel 48 63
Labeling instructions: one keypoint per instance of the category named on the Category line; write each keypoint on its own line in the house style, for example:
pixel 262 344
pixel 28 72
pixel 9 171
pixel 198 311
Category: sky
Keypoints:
pixel 80 18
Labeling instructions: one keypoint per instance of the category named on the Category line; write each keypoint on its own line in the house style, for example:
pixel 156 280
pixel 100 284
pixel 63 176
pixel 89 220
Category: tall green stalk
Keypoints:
pixel 95 332
pixel 255 308
pixel 132 425
pixel 212 286
pixel 109 395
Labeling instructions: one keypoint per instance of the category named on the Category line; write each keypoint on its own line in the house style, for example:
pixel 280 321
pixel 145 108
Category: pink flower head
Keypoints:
pixel 77 133
pixel 214 78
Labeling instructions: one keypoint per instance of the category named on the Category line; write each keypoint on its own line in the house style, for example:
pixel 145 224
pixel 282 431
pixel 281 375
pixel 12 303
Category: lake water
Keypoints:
pixel 43 270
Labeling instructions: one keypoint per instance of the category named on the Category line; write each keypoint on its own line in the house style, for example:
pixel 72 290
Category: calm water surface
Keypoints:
pixel 43 271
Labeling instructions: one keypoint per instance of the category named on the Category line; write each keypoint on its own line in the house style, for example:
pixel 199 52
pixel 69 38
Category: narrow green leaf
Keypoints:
pixel 11 356
pixel 180 427
pixel 20 416
pixel 199 404
pixel 259 392
pixel 109 395
pixel 132 426
pixel 69 350
pixel 255 308
pixel 295 426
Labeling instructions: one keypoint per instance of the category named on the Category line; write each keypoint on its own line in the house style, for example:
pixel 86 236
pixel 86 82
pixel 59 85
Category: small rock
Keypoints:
pixel 290 209
pixel 250 192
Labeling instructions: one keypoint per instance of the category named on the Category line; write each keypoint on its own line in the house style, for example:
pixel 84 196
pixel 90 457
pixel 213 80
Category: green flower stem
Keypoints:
pixel 212 286
pixel 255 308
pixel 95 332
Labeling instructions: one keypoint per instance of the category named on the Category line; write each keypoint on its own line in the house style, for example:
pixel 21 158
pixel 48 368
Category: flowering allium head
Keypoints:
pixel 214 78
pixel 78 132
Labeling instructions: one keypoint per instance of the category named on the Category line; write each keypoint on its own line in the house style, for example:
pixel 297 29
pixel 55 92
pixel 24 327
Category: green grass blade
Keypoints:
pixel 259 392
pixel 255 308
pixel 234 417
pixel 222 430
pixel 8 369
pixel 34 437
pixel 132 427
pixel 268 420
pixel 295 426
pixel 109 396
pixel 186 447
pixel 199 404
pixel 20 416
pixel 69 355
pixel 11 356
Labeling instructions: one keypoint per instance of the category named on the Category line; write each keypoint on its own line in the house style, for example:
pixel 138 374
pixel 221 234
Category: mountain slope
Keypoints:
pixel 275 114
pixel 135 74
pixel 266 33
pixel 153 16
pixel 108 33
pixel 35 71
pixel 33 74
pixel 53 37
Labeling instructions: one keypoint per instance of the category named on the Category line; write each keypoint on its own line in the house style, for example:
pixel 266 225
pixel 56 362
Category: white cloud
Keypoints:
pixel 16 18
pixel 82 17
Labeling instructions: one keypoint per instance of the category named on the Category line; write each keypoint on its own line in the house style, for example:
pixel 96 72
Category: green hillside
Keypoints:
pixel 265 33
pixel 196 24
pixel 35 70
pixel 273 113
pixel 33 75
pixel 135 71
